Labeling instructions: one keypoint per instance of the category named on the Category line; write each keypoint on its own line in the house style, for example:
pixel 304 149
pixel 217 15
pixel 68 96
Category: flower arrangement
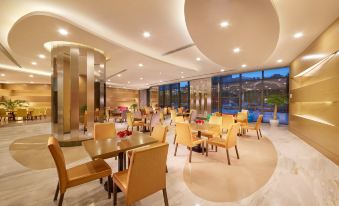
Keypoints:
pixel 124 133
pixel 199 121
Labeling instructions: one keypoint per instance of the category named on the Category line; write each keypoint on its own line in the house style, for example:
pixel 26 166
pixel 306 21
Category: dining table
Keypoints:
pixel 199 128
pixel 116 147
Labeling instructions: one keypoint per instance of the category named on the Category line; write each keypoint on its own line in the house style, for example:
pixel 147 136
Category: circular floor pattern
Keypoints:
pixel 212 179
pixel 33 153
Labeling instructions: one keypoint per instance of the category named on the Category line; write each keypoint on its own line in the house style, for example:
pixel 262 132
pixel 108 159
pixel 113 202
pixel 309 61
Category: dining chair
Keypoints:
pixel 155 120
pixel 131 123
pixel 21 113
pixel 256 127
pixel 184 136
pixel 227 120
pixel 215 129
pixel 193 115
pixel 180 110
pixel 173 116
pixel 162 116
pixel 145 176
pixel 36 112
pixel 96 114
pixel 229 142
pixel 178 119
pixel 3 114
pixel 77 175
pixel 104 131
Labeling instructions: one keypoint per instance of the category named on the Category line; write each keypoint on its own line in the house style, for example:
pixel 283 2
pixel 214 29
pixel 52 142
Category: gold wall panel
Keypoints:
pixel 121 97
pixel 314 100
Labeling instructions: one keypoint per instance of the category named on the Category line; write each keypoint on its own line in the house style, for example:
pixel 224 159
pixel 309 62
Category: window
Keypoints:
pixel 215 94
pixel 184 94
pixel 161 96
pixel 174 95
pixel 230 94
pixel 167 92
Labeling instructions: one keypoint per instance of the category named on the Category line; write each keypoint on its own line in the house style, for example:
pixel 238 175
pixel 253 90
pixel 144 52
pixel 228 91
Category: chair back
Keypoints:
pixel 184 134
pixel 232 134
pixel 104 131
pixel 159 133
pixel 173 114
pixel 147 172
pixel 180 110
pixel 59 160
pixel 161 116
pixel 138 114
pixel 259 121
pixel 155 119
pixel 165 111
pixel 36 112
pixel 124 115
pixel 179 119
pixel 129 118
pixel 193 115
pixel 227 120
pixel 2 112
pixel 21 113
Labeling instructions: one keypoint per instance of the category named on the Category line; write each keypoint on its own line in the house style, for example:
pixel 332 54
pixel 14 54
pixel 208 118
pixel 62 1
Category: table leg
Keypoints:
pixel 121 160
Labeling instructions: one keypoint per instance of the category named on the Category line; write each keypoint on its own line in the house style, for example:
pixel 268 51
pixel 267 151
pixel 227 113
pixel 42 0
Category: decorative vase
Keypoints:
pixel 274 123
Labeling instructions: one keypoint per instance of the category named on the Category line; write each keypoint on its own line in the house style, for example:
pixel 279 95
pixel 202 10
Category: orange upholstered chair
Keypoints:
pixel 104 131
pixel 256 127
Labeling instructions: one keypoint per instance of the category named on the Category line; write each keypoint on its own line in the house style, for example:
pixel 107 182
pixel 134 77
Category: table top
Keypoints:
pixel 108 148
pixel 202 127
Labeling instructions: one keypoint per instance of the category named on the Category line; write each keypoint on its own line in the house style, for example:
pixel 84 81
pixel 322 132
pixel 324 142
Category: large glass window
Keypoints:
pixel 174 95
pixel 161 96
pixel 184 94
pixel 215 94
pixel 167 92
pixel 230 94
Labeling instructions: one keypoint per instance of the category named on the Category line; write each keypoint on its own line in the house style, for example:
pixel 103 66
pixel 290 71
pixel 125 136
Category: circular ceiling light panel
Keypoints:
pixel 252 26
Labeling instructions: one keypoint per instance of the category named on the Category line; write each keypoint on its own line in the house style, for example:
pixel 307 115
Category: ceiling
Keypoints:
pixel 262 30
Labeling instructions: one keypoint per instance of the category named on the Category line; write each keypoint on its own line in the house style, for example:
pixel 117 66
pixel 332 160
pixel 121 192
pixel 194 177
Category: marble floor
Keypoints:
pixel 302 176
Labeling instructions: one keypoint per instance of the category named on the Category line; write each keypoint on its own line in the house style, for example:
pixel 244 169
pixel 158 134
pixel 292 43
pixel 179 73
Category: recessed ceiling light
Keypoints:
pixel 63 32
pixel 244 66
pixel 160 81
pixel 224 24
pixel 2 75
pixel 198 59
pixel 147 83
pixel 32 82
pixel 41 56
pixel 160 73
pixel 34 63
pixel 102 65
pixel 279 60
pixel 140 65
pixel 181 72
pixel 182 77
pixel 119 75
pixel 236 50
pixel 109 80
pixel 128 82
pixel 298 35
pixel 222 70
pixel 31 75
pixel 141 78
pixel 146 34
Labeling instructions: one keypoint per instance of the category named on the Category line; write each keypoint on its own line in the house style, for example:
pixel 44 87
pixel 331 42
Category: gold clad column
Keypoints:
pixel 74 77
pixel 90 91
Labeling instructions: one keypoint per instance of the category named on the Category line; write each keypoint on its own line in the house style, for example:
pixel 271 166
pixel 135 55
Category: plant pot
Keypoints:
pixel 274 123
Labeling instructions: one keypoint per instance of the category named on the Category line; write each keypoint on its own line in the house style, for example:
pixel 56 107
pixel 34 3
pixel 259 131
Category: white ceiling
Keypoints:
pixel 116 27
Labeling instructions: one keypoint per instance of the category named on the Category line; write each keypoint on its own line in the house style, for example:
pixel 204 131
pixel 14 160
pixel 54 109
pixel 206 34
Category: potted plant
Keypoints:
pixel 133 106
pixel 277 101
pixel 12 105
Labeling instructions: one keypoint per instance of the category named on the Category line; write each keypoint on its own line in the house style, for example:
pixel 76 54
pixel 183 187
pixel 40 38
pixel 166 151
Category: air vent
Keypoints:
pixel 122 71
pixel 178 49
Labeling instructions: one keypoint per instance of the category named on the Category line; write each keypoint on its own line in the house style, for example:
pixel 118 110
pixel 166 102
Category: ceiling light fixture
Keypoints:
pixel 224 24
pixel 31 75
pixel 41 56
pixel 236 50
pixel 109 80
pixel 244 66
pixel 119 75
pixel 63 32
pixel 182 77
pixel 279 60
pixel 34 63
pixel 2 75
pixel 32 82
pixel 102 65
pixel 146 34
pixel 198 59
pixel 141 78
pixel 128 82
pixel 160 81
pixel 222 70
pixel 298 35
pixel 140 65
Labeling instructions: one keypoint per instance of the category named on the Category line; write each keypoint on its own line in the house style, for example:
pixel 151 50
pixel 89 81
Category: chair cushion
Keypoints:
pixel 87 172
pixel 217 141
pixel 120 179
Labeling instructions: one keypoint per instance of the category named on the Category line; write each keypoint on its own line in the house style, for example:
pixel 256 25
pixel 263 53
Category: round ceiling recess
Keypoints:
pixel 231 32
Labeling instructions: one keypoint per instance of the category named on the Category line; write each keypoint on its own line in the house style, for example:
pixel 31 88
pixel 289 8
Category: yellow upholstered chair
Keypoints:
pixel 104 131
pixel 162 117
pixel 173 116
pixel 178 119
pixel 227 120
pixel 76 175
pixel 165 111
pixel 229 142
pixel 180 110
pixel 215 128
pixel 3 114
pixel 131 123
pixel 21 113
pixel 36 112
pixel 186 138
pixel 256 127
pixel 145 176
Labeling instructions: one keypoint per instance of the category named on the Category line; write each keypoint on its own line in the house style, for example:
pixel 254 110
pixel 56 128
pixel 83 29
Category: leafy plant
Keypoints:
pixel 277 101
pixel 11 105
pixel 133 106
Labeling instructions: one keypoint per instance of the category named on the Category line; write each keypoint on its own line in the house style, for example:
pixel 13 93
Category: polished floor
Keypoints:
pixel 301 176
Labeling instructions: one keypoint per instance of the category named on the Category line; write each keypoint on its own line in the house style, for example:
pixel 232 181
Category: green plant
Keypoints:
pixel 277 101
pixel 133 106
pixel 83 108
pixel 11 105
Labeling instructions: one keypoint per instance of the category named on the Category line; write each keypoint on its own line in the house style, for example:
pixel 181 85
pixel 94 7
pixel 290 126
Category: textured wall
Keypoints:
pixel 121 97
pixel 314 100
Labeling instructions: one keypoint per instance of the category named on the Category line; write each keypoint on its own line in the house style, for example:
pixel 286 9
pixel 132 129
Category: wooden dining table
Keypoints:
pixel 200 128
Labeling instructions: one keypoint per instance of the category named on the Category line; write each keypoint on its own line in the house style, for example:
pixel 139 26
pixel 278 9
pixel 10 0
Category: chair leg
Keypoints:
pixel 114 194
pixel 61 199
pixel 171 122
pixel 176 148
pixel 100 180
pixel 206 149
pixel 164 192
pixel 236 150
pixel 216 149
pixel 56 192
pixel 166 169
pixel 260 133
pixel 190 158
pixel 257 134
pixel 109 186
pixel 175 137
pixel 202 148
pixel 228 157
